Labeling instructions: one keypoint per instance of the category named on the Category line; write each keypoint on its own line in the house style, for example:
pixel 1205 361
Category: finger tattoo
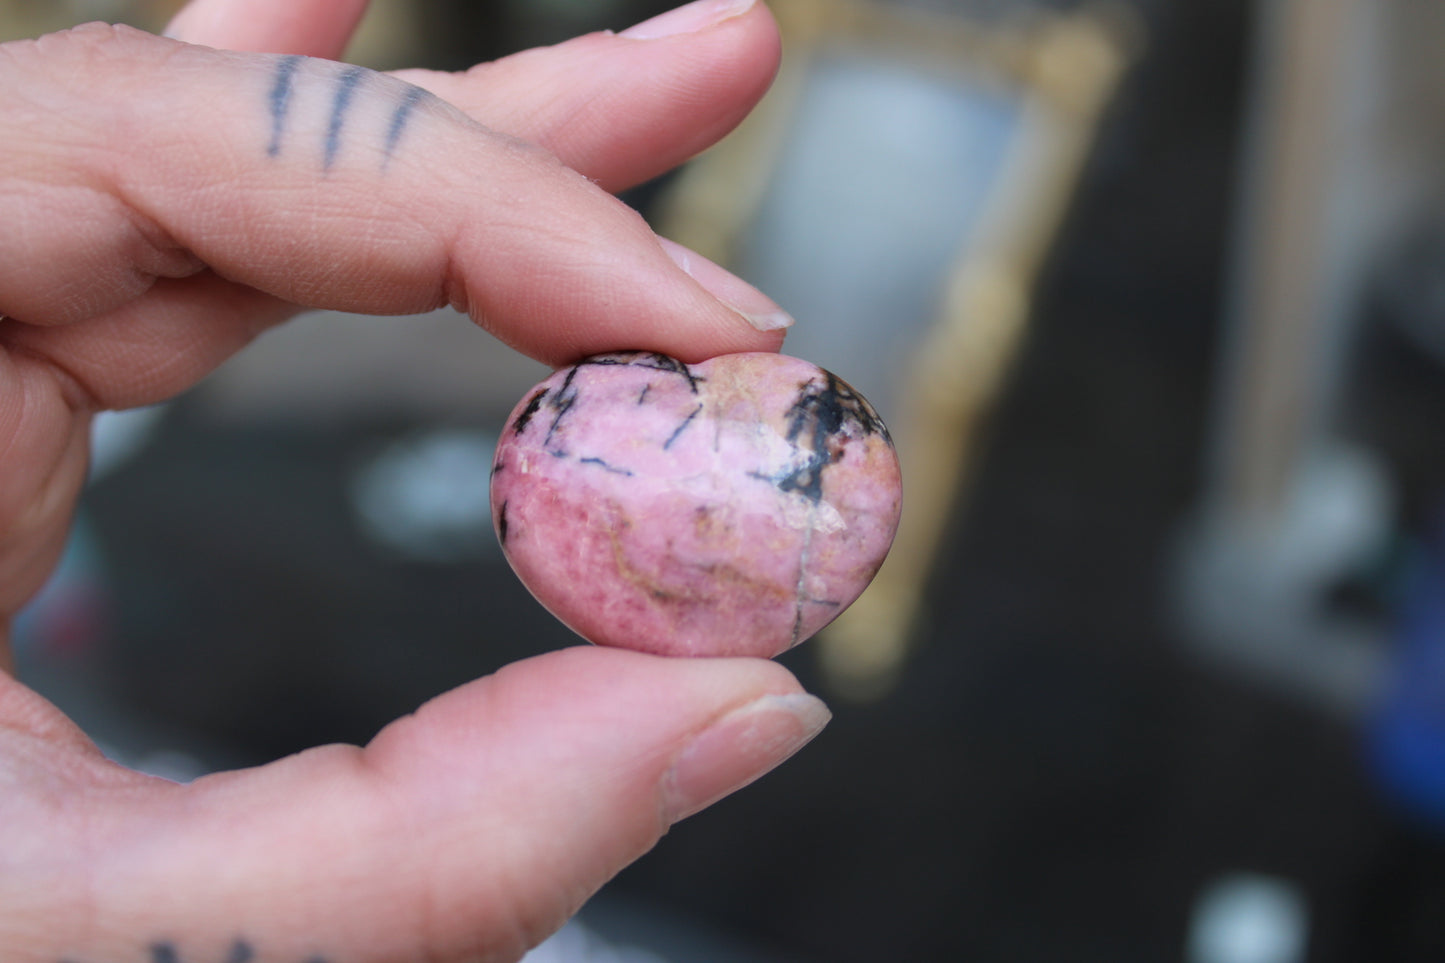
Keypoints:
pixel 399 118
pixel 348 87
pixel 281 100
pixel 345 87
pixel 240 951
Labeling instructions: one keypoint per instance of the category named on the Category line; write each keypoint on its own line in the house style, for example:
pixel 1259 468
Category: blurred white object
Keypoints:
pixel 427 496
pixel 1247 918
pixel 175 765
pixel 117 436
pixel 1253 592
pixel 1289 512
pixel 574 943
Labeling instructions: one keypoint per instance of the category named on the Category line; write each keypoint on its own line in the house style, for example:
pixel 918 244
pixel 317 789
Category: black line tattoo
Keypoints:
pixel 400 117
pixel 281 100
pixel 241 951
pixel 346 86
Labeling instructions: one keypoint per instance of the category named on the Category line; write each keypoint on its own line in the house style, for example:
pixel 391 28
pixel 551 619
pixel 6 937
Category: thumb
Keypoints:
pixel 467 831
pixel 183 176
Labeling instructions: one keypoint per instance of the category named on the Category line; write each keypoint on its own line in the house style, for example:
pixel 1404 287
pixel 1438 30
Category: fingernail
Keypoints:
pixel 688 18
pixel 756 308
pixel 742 746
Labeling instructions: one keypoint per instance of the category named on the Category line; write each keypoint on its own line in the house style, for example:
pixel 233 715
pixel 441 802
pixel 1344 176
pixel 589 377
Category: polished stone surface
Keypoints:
pixel 732 507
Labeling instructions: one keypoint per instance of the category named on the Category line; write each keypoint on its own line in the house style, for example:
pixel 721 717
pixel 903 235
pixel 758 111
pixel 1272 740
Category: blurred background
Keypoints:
pixel 1152 295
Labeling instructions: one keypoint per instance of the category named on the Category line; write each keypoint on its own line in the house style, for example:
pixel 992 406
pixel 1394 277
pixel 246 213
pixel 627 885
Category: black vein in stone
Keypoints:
pixel 677 433
pixel 651 360
pixel 534 404
pixel 561 403
pixel 605 466
pixel 816 420
pixel 661 362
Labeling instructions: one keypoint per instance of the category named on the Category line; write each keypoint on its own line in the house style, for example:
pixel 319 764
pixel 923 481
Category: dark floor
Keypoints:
pixel 1054 780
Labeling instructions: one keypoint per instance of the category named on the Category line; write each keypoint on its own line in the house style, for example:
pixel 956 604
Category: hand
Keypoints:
pixel 161 204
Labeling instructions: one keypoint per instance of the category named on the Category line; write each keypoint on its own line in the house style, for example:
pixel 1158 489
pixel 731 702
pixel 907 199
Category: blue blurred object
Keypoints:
pixel 1407 739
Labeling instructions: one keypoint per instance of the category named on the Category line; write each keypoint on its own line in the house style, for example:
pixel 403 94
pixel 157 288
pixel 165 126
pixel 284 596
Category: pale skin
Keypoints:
pixel 165 200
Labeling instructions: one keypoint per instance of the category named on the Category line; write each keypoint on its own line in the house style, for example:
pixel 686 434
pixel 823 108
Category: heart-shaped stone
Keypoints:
pixel 731 507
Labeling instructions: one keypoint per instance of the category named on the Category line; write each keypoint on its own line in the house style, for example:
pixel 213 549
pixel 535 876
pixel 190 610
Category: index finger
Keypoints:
pixel 324 185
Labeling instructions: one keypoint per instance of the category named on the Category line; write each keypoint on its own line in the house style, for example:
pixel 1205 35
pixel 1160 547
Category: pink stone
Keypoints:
pixel 732 507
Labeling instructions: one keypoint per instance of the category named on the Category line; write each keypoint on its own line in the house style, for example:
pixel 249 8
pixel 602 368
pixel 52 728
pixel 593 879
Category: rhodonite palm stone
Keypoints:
pixel 732 507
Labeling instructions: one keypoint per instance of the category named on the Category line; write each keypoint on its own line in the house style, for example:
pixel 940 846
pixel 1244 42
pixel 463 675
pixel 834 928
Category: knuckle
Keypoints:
pixel 96 39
